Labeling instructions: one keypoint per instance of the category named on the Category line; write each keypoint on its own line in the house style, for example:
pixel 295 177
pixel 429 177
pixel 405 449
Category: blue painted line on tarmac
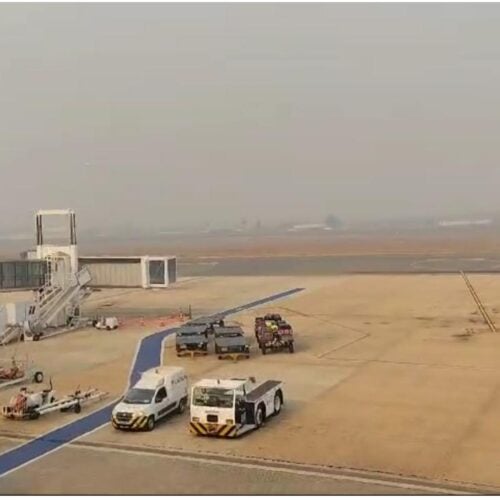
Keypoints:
pixel 259 302
pixel 148 356
pixel 42 445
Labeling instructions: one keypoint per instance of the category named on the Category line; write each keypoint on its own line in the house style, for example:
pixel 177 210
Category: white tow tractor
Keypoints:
pixel 19 372
pixel 30 405
pixel 229 408
pixel 110 323
pixel 158 393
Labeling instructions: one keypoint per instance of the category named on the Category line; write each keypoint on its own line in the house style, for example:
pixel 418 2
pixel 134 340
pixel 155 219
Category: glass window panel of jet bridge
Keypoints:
pixel 157 272
pixel 22 274
pixel 37 273
pixel 8 275
pixel 172 270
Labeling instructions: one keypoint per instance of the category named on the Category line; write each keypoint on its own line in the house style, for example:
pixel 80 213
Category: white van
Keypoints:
pixel 159 392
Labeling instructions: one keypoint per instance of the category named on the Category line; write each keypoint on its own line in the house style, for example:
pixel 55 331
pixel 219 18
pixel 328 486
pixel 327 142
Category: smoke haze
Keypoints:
pixel 171 114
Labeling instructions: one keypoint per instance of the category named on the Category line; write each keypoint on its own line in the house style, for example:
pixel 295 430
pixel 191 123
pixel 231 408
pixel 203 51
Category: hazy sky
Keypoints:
pixel 189 113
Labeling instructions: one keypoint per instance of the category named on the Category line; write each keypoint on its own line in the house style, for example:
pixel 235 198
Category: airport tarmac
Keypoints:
pixel 391 373
pixel 139 472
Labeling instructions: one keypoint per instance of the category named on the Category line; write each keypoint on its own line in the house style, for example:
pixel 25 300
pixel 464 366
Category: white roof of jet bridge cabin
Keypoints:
pixel 125 257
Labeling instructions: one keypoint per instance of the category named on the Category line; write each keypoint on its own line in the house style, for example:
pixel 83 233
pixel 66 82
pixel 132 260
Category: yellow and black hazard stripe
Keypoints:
pixel 234 356
pixel 136 423
pixel 192 353
pixel 216 430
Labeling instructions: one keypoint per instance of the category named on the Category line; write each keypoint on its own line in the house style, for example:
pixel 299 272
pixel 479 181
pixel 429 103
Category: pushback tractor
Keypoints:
pixel 232 407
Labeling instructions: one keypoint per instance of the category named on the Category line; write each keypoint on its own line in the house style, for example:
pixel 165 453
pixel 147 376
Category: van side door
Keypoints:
pixel 161 403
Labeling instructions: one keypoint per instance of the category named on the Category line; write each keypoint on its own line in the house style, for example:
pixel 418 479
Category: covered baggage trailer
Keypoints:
pixel 230 342
pixel 191 340
pixel 210 322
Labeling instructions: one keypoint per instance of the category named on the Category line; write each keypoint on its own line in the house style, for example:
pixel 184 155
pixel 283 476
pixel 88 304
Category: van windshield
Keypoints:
pixel 139 396
pixel 214 397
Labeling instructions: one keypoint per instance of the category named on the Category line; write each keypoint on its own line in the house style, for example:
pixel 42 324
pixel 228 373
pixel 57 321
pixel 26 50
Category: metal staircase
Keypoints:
pixel 56 305
pixel 56 297
pixel 10 334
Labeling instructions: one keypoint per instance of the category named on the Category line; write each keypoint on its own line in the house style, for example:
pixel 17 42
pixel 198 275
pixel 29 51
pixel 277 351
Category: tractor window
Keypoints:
pixel 214 397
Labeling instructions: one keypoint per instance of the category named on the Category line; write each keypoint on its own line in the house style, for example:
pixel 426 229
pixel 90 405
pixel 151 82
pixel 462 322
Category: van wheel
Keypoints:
pixel 150 424
pixel 38 377
pixel 290 347
pixel 182 406
pixel 259 416
pixel 278 401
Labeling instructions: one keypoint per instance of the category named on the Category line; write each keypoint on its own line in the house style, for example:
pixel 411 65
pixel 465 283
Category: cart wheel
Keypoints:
pixel 77 408
pixel 263 349
pixel 38 377
pixel 291 348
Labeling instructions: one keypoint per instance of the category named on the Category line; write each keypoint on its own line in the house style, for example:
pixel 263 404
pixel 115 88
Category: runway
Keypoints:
pixel 343 264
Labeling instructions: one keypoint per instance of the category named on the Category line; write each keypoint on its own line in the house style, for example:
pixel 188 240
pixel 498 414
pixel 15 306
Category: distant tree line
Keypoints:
pixel 333 221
